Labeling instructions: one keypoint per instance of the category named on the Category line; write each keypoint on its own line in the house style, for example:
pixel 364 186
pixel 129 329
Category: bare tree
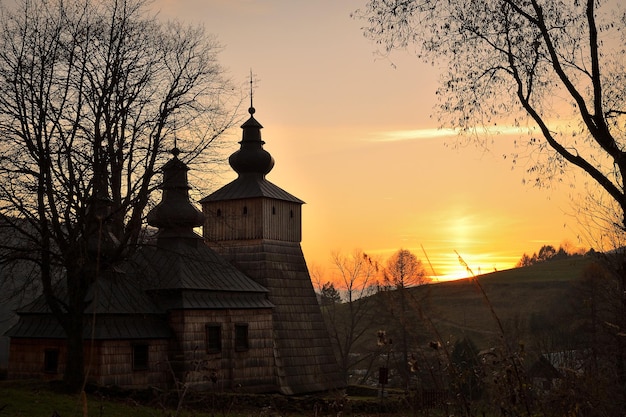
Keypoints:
pixel 348 323
pixel 93 94
pixel 402 271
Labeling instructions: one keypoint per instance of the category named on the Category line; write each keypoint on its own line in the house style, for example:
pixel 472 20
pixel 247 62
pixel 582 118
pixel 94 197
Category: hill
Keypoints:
pixel 527 301
pixel 534 305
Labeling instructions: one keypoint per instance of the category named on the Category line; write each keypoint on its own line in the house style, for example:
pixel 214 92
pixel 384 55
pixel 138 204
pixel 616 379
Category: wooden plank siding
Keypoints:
pixel 26 359
pixel 253 219
pixel 251 370
pixel 109 362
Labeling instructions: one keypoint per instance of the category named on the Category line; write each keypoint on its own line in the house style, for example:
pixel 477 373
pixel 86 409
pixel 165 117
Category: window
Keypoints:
pixel 51 361
pixel 291 214
pixel 140 357
pixel 241 337
pixel 213 338
pixel 245 210
pixel 219 212
pixel 273 210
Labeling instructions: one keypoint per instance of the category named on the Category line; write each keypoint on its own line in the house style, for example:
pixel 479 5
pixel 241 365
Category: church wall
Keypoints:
pixel 251 369
pixel 27 356
pixel 307 361
pixel 112 362
pixel 233 219
pixel 249 219
pixel 282 220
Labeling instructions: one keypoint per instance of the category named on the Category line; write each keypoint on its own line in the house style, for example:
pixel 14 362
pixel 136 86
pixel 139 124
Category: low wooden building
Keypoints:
pixel 235 308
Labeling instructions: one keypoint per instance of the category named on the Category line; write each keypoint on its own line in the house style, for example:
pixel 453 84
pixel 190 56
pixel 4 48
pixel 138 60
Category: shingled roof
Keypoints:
pixel 113 298
pixel 250 186
pixel 195 277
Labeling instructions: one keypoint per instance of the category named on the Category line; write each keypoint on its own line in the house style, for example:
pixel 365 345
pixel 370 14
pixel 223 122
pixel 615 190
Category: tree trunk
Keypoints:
pixel 74 375
pixel 78 282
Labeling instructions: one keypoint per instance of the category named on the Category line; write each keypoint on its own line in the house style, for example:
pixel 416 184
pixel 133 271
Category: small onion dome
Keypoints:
pixel 175 211
pixel 251 157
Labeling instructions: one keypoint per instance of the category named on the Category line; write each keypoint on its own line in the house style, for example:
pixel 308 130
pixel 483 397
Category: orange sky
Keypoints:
pixel 354 137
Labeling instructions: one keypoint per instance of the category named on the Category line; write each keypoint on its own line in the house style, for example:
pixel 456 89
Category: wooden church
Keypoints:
pixel 234 308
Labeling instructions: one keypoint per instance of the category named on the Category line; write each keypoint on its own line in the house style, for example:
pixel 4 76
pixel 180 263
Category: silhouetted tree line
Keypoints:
pixel 547 253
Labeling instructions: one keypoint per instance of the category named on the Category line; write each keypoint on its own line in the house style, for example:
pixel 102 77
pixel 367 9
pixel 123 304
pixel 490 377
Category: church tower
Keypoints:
pixel 256 225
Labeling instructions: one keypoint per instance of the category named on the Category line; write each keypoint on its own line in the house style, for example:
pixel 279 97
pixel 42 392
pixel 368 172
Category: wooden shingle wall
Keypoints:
pixel 304 356
pixel 113 364
pixel 250 370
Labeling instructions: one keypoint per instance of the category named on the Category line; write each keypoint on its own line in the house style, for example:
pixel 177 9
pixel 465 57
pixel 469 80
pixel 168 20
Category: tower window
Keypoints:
pixel 245 210
pixel 51 361
pixel 291 214
pixel 218 213
pixel 241 337
pixel 140 357
pixel 213 338
pixel 273 210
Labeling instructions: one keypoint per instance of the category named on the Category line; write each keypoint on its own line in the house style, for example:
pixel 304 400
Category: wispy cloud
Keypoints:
pixel 403 135
pixel 433 133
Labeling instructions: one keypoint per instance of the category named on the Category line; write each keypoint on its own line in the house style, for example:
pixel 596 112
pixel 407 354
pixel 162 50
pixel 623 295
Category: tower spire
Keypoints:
pixel 251 90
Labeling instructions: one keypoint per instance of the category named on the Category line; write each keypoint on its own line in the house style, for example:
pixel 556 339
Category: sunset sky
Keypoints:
pixel 354 136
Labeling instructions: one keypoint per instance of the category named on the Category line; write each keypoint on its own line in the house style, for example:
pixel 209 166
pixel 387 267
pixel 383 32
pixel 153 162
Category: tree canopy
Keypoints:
pixel 94 94
pixel 403 269
pixel 553 69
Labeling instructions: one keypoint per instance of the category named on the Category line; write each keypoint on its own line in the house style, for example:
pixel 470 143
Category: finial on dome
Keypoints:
pixel 251 109
pixel 175 151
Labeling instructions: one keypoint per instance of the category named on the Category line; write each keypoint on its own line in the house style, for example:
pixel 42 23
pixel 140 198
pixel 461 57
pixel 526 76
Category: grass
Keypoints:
pixel 37 399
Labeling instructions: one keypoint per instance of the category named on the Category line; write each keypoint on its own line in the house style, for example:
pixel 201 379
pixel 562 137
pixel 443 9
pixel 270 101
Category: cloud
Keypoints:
pixel 433 133
pixel 403 135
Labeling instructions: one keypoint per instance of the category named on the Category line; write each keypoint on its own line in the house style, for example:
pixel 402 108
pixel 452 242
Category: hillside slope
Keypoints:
pixel 530 303
pixel 535 305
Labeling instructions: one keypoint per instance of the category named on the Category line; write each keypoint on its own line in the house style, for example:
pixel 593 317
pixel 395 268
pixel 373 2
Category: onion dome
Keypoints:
pixel 251 158
pixel 175 216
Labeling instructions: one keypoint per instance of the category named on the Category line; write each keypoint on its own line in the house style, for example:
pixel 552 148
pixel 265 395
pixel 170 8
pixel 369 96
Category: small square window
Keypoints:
pixel 213 338
pixel 241 337
pixel 51 361
pixel 140 357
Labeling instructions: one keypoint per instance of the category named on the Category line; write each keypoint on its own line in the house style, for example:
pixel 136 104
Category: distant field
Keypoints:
pixel 530 303
pixel 524 300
